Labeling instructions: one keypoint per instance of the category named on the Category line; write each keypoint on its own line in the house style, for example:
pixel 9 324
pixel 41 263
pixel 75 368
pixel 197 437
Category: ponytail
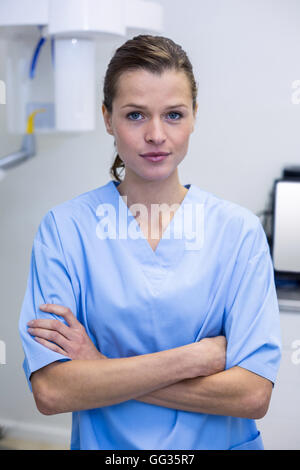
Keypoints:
pixel 117 167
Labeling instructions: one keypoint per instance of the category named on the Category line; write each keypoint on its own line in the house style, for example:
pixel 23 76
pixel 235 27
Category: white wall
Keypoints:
pixel 245 55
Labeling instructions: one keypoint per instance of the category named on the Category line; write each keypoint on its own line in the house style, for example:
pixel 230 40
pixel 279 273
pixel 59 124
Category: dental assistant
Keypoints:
pixel 152 342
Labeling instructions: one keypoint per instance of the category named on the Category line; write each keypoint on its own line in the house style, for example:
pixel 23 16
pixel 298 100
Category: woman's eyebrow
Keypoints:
pixel 133 105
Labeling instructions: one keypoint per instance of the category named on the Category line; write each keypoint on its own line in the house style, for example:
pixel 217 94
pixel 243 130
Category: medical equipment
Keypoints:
pixel 51 55
pixel 27 150
pixel 286 224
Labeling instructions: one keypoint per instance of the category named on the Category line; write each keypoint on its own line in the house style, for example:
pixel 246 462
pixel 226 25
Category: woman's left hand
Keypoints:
pixel 70 340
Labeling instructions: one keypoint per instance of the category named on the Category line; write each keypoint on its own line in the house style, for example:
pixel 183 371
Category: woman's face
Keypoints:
pixel 151 113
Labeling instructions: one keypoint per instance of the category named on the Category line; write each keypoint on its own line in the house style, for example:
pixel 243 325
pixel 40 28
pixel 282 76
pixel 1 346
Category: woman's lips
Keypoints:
pixel 155 157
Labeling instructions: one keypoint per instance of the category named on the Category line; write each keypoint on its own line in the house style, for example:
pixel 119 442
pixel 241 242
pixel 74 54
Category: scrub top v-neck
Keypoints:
pixel 133 300
pixel 156 264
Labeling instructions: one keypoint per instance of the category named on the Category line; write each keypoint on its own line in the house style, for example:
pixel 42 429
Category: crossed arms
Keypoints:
pixel 190 378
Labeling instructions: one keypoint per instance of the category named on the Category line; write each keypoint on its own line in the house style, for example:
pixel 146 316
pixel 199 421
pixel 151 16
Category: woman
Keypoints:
pixel 155 339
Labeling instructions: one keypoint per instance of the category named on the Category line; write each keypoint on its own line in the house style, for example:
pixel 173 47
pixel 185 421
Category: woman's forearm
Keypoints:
pixel 86 384
pixel 91 380
pixel 234 392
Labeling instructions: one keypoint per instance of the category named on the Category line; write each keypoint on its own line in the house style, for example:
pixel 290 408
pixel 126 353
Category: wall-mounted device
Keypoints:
pixel 50 56
pixel 50 61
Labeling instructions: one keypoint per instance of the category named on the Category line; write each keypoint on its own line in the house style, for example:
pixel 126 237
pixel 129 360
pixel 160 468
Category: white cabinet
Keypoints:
pixel 280 428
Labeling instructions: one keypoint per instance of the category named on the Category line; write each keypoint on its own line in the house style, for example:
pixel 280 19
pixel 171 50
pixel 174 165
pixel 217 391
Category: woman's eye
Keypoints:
pixel 174 113
pixel 132 116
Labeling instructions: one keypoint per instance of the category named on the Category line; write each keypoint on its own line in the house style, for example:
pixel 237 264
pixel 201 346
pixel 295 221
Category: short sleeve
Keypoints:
pixel 252 323
pixel 48 282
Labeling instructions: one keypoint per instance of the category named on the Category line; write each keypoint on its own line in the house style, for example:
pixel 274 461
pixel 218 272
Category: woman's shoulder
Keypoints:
pixel 231 221
pixel 81 201
pixel 224 209
pixel 77 209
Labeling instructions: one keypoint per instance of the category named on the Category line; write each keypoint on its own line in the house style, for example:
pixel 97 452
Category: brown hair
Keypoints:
pixel 152 53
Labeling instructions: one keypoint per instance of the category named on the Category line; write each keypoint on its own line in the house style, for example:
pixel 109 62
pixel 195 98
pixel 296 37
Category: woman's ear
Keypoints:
pixel 107 120
pixel 194 117
pixel 195 110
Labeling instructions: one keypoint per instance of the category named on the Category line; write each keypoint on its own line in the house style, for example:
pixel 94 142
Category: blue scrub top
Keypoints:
pixel 211 274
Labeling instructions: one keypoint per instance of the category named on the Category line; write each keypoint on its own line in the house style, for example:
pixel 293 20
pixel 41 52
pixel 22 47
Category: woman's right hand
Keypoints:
pixel 207 356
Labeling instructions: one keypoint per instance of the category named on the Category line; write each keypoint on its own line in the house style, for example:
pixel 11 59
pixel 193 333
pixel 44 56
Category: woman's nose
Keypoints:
pixel 155 132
